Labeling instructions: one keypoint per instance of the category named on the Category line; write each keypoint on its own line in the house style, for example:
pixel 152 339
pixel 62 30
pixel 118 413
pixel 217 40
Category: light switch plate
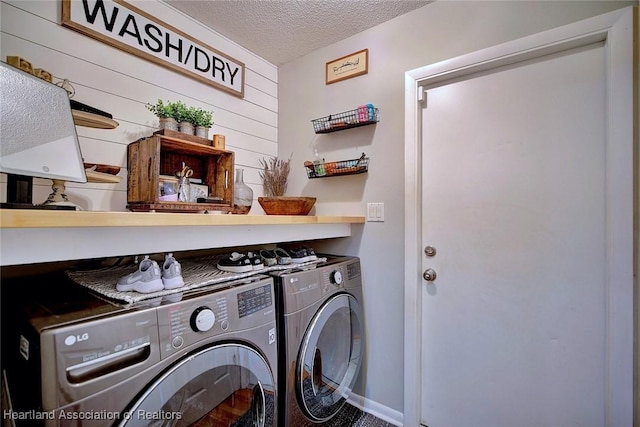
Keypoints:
pixel 375 212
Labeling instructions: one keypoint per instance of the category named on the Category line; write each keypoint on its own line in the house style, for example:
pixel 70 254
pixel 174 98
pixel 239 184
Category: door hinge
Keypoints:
pixel 422 96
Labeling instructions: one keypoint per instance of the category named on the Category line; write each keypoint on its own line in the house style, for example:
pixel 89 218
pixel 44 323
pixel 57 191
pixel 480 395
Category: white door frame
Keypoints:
pixel 615 29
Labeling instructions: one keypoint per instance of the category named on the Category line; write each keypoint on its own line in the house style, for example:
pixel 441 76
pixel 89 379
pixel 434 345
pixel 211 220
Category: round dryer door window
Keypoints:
pixel 330 357
pixel 229 384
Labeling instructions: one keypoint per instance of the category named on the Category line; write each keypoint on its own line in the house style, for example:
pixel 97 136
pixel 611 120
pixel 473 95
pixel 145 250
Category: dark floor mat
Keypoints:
pixel 350 416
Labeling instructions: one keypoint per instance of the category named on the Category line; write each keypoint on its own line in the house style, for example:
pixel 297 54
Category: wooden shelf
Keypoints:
pixel 34 236
pixel 83 118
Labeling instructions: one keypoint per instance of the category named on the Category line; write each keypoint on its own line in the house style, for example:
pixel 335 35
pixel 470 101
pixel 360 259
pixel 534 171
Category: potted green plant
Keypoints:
pixel 184 117
pixel 203 120
pixel 165 111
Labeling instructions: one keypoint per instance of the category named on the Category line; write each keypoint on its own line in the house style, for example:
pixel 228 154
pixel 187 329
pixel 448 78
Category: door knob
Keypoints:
pixel 430 251
pixel 429 275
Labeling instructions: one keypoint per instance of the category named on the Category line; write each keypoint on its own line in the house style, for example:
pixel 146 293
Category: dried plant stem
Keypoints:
pixel 274 174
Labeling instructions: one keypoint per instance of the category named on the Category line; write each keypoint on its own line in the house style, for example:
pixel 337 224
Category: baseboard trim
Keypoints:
pixel 378 410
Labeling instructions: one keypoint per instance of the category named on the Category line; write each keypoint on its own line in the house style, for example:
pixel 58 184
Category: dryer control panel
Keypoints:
pixel 301 288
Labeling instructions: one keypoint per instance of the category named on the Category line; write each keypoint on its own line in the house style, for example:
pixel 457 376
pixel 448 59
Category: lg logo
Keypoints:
pixel 72 339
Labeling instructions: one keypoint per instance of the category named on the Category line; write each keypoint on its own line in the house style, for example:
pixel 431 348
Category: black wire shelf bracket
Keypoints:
pixel 340 168
pixel 362 116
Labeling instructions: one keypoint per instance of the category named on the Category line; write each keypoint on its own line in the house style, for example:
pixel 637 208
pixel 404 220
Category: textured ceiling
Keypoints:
pixel 283 30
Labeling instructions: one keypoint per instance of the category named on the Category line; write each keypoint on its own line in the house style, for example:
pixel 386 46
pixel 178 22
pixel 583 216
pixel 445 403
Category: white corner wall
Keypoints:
pixel 438 31
pixel 121 84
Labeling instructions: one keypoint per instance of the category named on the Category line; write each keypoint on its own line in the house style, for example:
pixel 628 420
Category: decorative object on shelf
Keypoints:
pixel 362 116
pixel 151 159
pixel 218 141
pixel 43 74
pixel 58 197
pixel 21 63
pixel 346 67
pixel 165 113
pixel 66 85
pixel 203 120
pixel 202 131
pixel 184 117
pixel 344 167
pixel 184 183
pixel 26 66
pixel 178 116
pixel 287 205
pixel 318 167
pixel 274 175
pixel 186 127
pixel 168 123
pixel 242 194
pixel 168 189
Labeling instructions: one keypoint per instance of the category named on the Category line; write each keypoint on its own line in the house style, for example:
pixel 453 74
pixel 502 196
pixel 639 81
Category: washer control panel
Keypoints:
pixel 204 316
pixel 253 300
pixel 202 319
pixel 336 277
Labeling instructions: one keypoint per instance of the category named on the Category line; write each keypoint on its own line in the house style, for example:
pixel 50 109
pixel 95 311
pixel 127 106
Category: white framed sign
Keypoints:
pixel 134 31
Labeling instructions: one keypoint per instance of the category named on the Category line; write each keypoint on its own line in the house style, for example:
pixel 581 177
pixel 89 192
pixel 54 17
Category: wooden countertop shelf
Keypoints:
pixel 33 236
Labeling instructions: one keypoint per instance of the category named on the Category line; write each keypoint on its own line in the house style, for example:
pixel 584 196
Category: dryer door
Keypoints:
pixel 228 384
pixel 330 357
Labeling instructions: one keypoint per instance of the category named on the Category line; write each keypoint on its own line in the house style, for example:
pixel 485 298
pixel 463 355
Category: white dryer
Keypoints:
pixel 320 339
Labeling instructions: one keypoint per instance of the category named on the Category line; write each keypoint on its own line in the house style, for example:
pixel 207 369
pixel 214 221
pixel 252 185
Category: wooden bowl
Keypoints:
pixel 287 205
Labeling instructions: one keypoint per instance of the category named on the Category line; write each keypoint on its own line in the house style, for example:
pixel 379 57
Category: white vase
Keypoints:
pixel 242 194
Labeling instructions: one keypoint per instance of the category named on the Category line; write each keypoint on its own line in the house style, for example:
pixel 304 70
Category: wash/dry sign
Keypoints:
pixel 128 28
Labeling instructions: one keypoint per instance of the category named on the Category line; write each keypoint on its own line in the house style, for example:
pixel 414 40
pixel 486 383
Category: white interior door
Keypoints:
pixel 513 203
pixel 516 198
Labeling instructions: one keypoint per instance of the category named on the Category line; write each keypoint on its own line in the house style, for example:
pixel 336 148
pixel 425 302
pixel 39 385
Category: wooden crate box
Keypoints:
pixel 150 158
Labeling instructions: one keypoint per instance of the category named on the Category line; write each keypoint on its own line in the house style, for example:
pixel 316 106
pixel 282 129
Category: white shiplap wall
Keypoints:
pixel 121 84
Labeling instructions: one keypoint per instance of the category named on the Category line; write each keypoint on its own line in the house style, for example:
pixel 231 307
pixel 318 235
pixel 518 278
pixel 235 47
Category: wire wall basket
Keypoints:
pixel 339 168
pixel 361 116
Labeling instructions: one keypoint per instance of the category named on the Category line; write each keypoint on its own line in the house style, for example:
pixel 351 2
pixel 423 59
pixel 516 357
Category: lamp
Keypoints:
pixel 37 139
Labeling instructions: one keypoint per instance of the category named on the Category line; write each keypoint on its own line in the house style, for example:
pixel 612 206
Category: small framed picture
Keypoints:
pixel 168 191
pixel 198 191
pixel 355 64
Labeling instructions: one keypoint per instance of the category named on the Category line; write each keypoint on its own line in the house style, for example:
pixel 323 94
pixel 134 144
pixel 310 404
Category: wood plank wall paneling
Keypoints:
pixel 121 84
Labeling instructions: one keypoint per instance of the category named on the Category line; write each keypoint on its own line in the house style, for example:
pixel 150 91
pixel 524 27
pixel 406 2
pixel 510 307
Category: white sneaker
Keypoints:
pixel 147 279
pixel 171 273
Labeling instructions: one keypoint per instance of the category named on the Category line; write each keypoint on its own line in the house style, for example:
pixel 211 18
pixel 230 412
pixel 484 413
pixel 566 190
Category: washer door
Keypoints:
pixel 228 384
pixel 330 357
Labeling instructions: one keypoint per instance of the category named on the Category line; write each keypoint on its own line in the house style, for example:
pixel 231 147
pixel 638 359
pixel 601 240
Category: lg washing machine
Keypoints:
pixel 205 358
pixel 320 339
